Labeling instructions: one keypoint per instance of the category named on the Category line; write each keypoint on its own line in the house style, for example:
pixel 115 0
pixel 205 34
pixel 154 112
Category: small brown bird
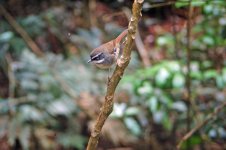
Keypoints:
pixel 106 54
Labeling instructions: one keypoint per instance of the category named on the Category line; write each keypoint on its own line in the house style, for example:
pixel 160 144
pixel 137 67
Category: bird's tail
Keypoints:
pixel 118 47
pixel 120 37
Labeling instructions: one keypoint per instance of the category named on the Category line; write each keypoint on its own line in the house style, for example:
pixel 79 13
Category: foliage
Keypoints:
pixel 160 89
pixel 42 102
pixel 47 106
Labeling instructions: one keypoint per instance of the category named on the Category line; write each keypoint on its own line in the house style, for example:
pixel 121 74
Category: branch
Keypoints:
pixel 200 125
pixel 12 80
pixel 12 84
pixel 21 31
pixel 122 63
pixel 142 51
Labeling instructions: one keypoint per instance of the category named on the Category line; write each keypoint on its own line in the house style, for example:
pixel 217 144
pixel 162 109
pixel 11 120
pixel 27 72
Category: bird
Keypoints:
pixel 106 54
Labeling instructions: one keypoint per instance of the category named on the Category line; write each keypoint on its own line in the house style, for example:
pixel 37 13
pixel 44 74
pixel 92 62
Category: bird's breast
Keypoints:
pixel 103 66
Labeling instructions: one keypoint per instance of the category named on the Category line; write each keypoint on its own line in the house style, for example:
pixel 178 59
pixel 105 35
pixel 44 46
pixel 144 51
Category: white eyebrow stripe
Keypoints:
pixel 96 55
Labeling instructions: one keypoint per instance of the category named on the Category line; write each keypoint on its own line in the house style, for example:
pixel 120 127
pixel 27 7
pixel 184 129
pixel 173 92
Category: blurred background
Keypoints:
pixel 50 97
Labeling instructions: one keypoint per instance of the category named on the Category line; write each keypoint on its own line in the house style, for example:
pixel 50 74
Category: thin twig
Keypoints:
pixel 200 125
pixel 12 84
pixel 116 77
pixel 188 79
pixel 12 81
pixel 142 51
pixel 21 31
pixel 159 5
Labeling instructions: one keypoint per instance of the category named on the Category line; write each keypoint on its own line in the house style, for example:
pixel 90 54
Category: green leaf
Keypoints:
pixel 131 111
pixel 198 3
pixel 212 133
pixel 224 75
pixel 29 85
pixel 24 136
pixel 72 140
pixel 162 77
pixel 179 106
pixel 34 25
pixel 62 106
pixel 165 40
pixel 220 82
pixel 146 88
pixel 194 140
pixel 6 36
pixel 119 110
pixel 132 125
pixel 208 40
pixel 196 75
pixel 167 122
pixel 178 80
pixel 182 3
pixel 210 74
pixel 151 71
pixel 208 9
pixel 158 116
pixel 166 99
pixel 28 113
pixel 153 104
pixel 173 66
pixel 194 66
pixel 18 45
pixel 207 64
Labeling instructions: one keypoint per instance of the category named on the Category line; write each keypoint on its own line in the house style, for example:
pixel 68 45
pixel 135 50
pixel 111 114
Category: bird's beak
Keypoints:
pixel 89 61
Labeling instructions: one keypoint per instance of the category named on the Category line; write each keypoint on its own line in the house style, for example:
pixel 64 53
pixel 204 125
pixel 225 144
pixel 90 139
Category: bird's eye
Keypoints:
pixel 97 58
